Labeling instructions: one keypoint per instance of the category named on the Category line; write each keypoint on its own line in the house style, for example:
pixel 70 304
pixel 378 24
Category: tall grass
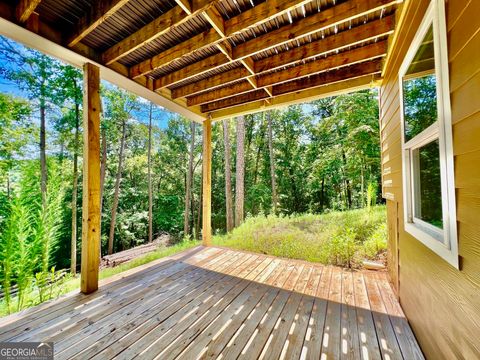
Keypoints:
pixel 29 235
pixel 339 238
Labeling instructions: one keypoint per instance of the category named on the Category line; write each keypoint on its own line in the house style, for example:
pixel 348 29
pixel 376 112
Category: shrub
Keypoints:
pixel 339 238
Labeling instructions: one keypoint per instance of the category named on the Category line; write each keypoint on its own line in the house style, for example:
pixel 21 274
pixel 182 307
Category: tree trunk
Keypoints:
pixel 272 163
pixel 228 176
pixel 103 169
pixel 322 196
pixel 240 172
pixel 199 212
pixel 117 189
pixel 149 160
pixel 188 186
pixel 43 156
pixel 347 183
pixel 73 245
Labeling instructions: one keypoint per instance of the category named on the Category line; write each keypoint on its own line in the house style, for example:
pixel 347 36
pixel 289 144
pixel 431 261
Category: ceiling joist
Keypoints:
pixel 25 8
pixel 303 27
pixel 333 43
pixel 367 68
pixel 360 54
pixel 100 11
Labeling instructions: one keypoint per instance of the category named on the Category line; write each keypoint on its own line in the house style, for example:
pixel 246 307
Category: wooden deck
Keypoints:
pixel 217 303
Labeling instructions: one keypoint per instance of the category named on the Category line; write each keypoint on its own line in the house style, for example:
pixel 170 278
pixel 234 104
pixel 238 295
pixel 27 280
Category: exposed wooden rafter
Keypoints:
pixel 350 57
pixel 189 71
pixel 100 11
pixel 333 43
pixel 341 74
pixel 163 24
pixel 25 8
pixel 253 17
pixel 211 82
pixel 301 28
pixel 309 25
pixel 336 88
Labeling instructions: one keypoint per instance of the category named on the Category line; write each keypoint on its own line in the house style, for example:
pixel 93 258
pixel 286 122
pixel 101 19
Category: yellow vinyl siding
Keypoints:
pixel 441 303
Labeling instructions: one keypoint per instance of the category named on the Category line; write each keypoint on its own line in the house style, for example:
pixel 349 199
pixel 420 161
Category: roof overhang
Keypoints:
pixel 216 59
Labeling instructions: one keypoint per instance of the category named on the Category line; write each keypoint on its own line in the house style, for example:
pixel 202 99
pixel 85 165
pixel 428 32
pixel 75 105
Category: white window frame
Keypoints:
pixel 442 241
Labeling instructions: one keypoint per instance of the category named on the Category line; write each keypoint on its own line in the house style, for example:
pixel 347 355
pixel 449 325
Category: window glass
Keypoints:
pixel 427 184
pixel 420 90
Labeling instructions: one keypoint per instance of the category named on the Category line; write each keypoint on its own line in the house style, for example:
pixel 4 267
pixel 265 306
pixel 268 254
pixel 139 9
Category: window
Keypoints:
pixel 429 189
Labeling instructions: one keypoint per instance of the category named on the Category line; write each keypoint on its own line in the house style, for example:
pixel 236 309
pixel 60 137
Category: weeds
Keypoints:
pixel 339 238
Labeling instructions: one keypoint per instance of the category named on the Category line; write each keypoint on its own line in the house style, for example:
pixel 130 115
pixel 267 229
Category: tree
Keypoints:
pixel 68 93
pixel 228 176
pixel 120 106
pixel 188 186
pixel 150 202
pixel 16 132
pixel 272 162
pixel 240 172
pixel 34 73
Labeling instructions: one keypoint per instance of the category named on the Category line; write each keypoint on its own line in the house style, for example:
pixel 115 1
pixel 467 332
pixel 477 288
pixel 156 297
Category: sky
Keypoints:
pixel 161 116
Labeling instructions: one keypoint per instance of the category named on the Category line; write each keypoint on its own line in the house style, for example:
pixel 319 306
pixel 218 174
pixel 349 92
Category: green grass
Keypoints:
pixel 73 283
pixel 339 238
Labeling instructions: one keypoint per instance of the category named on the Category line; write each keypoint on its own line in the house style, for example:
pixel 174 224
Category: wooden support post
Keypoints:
pixel 207 183
pixel 91 179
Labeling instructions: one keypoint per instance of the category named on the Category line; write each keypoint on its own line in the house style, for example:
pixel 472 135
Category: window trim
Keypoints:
pixel 444 241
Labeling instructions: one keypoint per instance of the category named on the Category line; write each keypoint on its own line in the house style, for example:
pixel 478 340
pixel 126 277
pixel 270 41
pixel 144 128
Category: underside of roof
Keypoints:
pixel 226 57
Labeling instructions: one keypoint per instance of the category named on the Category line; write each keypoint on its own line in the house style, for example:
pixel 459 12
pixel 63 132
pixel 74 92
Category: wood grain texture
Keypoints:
pixel 25 8
pixel 210 302
pixel 100 11
pixel 428 286
pixel 91 179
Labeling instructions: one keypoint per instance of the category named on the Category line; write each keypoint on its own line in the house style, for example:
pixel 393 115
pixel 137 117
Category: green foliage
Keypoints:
pixel 371 195
pixel 30 234
pixel 54 284
pixel 339 238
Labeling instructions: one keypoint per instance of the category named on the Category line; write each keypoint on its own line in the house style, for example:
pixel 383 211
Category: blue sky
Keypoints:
pixel 160 115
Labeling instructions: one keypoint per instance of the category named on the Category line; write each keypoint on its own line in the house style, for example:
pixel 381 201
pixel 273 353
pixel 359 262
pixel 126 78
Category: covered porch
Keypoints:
pixel 210 302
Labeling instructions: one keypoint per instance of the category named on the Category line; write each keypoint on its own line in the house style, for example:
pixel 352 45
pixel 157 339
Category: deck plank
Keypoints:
pixel 350 345
pixel 211 303
pixel 385 334
pixel 120 338
pixel 332 330
pixel 369 348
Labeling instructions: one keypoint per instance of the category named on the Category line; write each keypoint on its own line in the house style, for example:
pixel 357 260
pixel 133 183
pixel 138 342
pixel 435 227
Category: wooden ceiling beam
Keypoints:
pixel 236 100
pixel 354 36
pixel 198 68
pixel 218 94
pixel 280 101
pixel 348 72
pixel 153 30
pixel 368 31
pixel 215 19
pixel 185 5
pixel 342 74
pixel 210 82
pixel 100 11
pixel 309 25
pixel 261 13
pixel 220 30
pixel 167 57
pixel 163 24
pixel 350 57
pixel 25 8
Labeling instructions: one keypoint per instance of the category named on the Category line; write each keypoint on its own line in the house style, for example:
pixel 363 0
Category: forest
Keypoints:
pixel 305 159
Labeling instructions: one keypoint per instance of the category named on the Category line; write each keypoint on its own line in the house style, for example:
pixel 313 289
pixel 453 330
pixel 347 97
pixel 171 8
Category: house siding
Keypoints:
pixel 441 302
